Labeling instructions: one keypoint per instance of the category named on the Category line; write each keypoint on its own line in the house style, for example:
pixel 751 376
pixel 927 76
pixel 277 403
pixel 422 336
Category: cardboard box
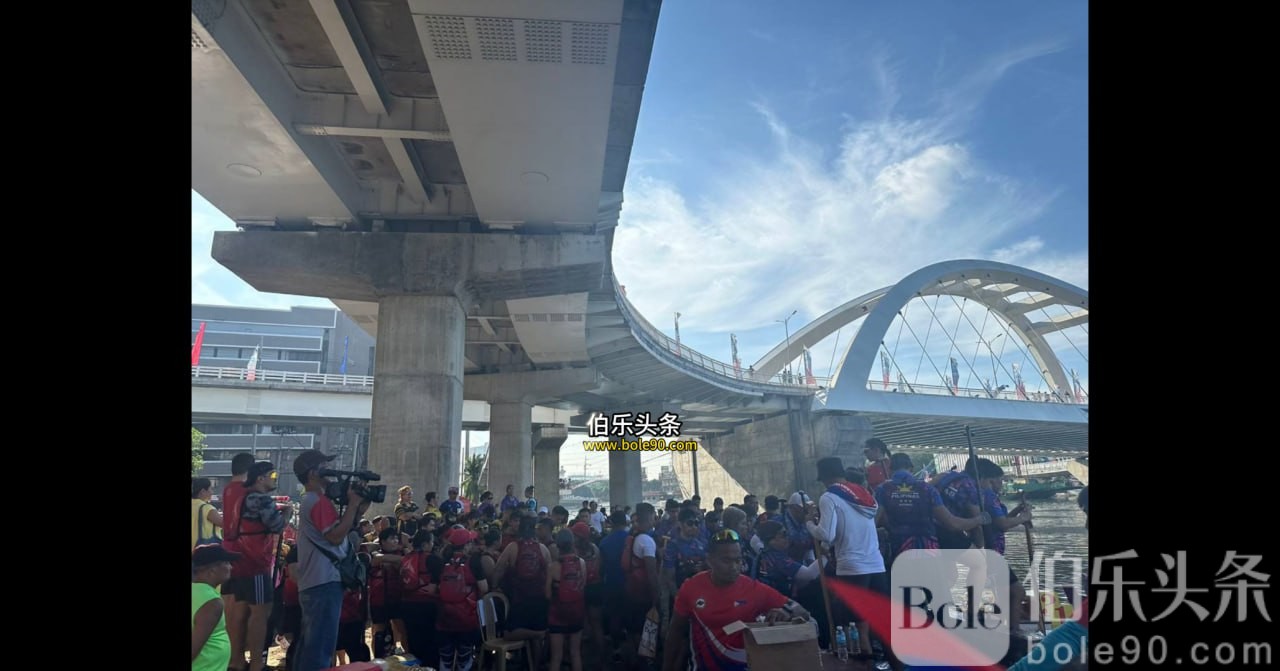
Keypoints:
pixel 782 647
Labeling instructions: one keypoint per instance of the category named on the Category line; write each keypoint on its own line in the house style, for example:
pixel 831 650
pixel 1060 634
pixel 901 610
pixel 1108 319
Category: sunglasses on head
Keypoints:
pixel 726 536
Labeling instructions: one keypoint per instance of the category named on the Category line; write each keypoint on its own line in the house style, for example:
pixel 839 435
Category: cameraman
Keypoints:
pixel 319 583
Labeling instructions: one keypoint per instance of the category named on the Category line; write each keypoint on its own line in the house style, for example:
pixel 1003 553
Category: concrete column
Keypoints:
pixel 417 397
pixel 546 463
pixel 625 486
pixel 546 477
pixel 511 448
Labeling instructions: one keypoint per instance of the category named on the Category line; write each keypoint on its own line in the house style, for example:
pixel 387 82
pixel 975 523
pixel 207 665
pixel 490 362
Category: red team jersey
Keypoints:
pixel 709 608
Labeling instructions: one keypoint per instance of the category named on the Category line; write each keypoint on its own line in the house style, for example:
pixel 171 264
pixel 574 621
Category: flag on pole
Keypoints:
pixel 1075 382
pixel 955 376
pixel 195 349
pixel 808 369
pixel 884 367
pixel 346 342
pixel 1017 382
pixel 733 345
pixel 251 372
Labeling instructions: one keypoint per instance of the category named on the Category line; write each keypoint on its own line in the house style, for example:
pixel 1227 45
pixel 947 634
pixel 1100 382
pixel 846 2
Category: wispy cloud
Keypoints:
pixel 801 226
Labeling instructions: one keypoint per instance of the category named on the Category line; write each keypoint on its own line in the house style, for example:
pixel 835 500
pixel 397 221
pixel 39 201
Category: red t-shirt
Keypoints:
pixel 877 473
pixel 232 497
pixel 710 607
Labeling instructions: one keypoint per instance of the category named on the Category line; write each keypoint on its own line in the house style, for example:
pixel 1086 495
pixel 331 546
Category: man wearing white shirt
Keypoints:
pixel 596 520
pixel 846 521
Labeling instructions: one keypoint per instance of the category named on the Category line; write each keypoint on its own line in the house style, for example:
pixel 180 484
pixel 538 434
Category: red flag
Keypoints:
pixel 195 349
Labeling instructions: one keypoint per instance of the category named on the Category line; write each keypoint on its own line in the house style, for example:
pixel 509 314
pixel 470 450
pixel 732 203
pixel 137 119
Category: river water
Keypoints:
pixel 1058 527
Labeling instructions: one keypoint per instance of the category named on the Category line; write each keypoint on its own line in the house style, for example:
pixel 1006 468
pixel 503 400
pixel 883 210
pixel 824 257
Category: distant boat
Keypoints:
pixel 1042 487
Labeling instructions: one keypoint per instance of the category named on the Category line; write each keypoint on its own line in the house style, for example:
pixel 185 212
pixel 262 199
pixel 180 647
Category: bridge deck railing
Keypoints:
pixel 291 377
pixel 974 392
pixel 688 357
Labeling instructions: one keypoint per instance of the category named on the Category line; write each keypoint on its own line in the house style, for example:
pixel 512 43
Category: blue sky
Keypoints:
pixel 791 156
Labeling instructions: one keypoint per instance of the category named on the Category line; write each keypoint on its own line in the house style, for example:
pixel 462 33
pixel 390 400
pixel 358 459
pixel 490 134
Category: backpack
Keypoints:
pixel 457 596
pixel 414 576
pixel 456 581
pixel 573 580
pixel 353 567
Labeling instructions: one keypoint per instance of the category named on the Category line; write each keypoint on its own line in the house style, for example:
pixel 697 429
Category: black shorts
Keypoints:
pixel 528 613
pixel 595 595
pixel 384 614
pixel 253 590
pixel 571 629
pixel 633 616
pixel 874 582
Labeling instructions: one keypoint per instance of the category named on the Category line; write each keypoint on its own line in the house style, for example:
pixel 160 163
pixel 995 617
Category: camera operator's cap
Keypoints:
pixel 211 554
pixel 309 460
pixel 460 537
pixel 259 469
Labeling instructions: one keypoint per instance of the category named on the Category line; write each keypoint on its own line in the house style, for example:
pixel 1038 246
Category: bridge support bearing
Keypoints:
pixel 625 485
pixel 511 448
pixel 416 430
pixel 546 464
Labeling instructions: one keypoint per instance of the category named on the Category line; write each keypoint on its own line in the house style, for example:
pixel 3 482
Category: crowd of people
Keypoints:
pixel 573 586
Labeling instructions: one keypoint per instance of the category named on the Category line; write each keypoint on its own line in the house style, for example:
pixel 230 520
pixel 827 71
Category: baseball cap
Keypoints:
pixel 211 554
pixel 580 530
pixel 543 509
pixel 309 460
pixel 259 469
pixel 799 499
pixel 460 537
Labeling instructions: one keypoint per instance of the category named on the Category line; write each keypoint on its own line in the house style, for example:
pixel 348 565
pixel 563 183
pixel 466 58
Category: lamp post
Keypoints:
pixel 787 329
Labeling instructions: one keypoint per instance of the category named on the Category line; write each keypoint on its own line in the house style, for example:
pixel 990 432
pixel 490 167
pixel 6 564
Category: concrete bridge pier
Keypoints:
pixel 423 284
pixel 511 448
pixel 626 488
pixel 546 464
pixel 417 399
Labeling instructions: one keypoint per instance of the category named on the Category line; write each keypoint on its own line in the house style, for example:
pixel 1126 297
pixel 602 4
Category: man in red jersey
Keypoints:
pixel 232 497
pixel 709 601
pixel 258 521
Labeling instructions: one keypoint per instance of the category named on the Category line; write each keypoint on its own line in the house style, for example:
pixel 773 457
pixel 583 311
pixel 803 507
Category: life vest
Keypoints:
pixel 909 508
pixel 637 577
pixel 415 578
pixel 458 595
pixel 530 577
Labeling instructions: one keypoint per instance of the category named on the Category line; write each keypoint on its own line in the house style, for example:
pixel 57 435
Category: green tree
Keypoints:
pixel 197 451
pixel 471 478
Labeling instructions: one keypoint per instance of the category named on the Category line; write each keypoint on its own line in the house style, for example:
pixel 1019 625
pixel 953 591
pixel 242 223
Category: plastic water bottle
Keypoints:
pixel 842 645
pixel 855 643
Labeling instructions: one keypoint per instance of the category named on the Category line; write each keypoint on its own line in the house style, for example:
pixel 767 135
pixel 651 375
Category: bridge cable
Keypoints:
pixel 1002 367
pixel 902 314
pixel 893 363
pixel 946 381
pixel 1064 335
pixel 832 363
pixel 976 346
pixel 927 331
pixel 923 349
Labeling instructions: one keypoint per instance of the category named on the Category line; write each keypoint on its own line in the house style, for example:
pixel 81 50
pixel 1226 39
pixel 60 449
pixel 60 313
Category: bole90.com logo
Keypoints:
pixel 940 617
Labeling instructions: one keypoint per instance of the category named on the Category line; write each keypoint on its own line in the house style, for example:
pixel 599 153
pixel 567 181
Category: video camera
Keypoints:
pixel 336 491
